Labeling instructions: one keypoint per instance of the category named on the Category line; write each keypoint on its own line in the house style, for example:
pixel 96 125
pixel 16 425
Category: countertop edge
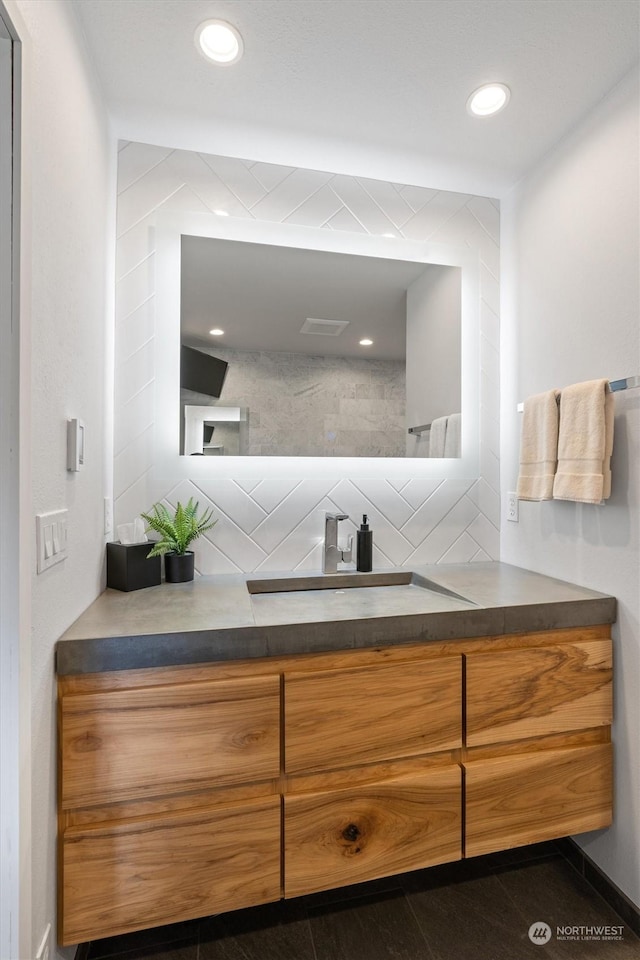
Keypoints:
pixel 140 651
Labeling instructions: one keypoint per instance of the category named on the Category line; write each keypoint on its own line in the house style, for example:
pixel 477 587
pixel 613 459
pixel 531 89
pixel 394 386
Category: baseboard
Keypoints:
pixel 624 907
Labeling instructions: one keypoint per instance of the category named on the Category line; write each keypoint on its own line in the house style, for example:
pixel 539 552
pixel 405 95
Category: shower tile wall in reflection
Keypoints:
pixel 315 406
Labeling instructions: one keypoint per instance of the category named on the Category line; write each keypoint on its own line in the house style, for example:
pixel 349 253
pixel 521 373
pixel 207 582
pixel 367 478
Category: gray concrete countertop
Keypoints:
pixel 217 618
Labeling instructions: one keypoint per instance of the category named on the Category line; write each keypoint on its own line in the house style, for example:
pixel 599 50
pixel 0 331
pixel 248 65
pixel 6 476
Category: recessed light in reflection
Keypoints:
pixel 366 342
pixel 216 332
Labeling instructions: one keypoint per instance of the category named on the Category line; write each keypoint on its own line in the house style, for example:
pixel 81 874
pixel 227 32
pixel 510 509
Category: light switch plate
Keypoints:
pixel 51 538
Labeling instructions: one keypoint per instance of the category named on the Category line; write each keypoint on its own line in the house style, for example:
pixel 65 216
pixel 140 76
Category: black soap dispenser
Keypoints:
pixel 365 547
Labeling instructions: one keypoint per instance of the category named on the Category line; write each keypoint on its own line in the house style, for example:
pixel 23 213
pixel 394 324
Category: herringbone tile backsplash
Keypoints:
pixel 277 523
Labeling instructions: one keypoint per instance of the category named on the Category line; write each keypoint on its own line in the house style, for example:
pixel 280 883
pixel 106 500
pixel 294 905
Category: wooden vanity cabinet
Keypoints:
pixel 187 791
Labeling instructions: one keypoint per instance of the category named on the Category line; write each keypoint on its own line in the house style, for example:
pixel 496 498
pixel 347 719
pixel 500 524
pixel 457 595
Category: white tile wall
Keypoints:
pixel 277 524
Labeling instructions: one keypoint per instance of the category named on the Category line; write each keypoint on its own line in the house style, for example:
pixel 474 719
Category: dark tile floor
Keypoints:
pixel 479 909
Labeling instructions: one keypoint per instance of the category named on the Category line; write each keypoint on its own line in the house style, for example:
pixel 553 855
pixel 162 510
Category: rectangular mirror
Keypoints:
pixel 295 352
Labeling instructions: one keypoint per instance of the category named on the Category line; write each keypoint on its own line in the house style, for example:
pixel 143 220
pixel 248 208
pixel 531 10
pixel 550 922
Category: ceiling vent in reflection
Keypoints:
pixel 324 328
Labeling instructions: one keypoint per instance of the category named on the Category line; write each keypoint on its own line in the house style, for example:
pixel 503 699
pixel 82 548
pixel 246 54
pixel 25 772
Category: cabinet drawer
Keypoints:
pixel 125 744
pixel 339 718
pixel 526 798
pixel 137 874
pixel 348 836
pixel 516 694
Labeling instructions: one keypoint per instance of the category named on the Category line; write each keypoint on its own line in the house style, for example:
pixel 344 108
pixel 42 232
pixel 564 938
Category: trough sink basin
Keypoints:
pixel 351 595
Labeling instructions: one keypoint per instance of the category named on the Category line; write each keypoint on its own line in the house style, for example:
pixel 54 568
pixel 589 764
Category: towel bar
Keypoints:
pixel 421 429
pixel 627 383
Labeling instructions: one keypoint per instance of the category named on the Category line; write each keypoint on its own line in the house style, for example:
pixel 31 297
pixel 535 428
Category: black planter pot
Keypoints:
pixel 178 568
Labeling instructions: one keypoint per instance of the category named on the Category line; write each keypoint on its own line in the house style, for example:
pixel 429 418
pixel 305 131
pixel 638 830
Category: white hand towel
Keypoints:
pixel 437 436
pixel 538 446
pixel 452 439
pixel 585 443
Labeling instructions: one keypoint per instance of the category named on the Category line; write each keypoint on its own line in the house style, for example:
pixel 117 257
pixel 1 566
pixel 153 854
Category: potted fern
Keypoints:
pixel 177 531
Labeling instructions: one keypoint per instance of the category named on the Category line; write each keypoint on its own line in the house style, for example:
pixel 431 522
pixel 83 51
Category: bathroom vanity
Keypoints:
pixel 234 741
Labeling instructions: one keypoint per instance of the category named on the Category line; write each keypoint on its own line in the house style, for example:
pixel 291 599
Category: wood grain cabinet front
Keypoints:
pixel 124 744
pixel 168 801
pixel 338 721
pixel 346 836
pixel 538 761
pixel 526 798
pixel 142 872
pixel 516 694
pixel 339 718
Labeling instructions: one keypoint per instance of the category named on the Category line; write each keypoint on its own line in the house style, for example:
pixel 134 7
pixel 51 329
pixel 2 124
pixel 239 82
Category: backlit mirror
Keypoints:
pixel 296 352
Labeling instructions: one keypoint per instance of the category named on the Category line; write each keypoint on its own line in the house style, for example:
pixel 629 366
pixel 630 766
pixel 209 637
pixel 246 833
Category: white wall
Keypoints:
pixel 67 239
pixel 571 312
pixel 433 352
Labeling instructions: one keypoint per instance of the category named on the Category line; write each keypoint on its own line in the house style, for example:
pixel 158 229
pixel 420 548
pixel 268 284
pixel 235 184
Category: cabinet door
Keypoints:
pixel 124 744
pixel 526 798
pixel 516 694
pixel 343 717
pixel 125 876
pixel 348 836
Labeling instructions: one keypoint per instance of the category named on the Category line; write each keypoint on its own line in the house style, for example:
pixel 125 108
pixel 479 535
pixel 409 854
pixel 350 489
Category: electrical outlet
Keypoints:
pixel 512 507
pixel 44 950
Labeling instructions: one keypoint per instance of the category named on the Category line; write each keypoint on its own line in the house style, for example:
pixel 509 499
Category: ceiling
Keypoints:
pixel 363 86
pixel 228 284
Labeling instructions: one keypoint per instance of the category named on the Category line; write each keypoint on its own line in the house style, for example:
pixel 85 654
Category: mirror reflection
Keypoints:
pixel 295 352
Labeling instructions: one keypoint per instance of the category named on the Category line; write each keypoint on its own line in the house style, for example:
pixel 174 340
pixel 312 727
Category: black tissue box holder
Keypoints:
pixel 128 567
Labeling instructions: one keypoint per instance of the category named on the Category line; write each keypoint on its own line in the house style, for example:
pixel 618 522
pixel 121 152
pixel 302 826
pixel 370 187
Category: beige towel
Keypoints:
pixel 585 443
pixel 538 446
pixel 437 436
pixel 452 439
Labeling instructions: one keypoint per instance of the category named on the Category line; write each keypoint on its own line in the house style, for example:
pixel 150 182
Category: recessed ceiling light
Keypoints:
pixel 488 100
pixel 216 332
pixel 366 342
pixel 219 41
